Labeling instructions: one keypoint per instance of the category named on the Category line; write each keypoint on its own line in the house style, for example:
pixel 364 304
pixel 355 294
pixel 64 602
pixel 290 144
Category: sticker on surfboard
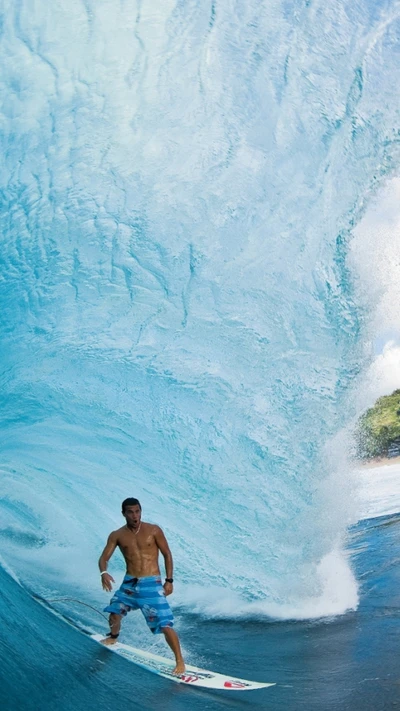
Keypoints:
pixel 193 676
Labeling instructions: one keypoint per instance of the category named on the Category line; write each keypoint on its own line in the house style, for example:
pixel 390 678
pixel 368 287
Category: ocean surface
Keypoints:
pixel 184 319
pixel 349 661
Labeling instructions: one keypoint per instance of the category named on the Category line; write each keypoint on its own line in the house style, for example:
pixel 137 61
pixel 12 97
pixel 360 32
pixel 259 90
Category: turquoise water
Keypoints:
pixel 179 318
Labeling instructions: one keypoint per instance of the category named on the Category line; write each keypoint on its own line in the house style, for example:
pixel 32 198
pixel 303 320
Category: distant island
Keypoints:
pixel 378 431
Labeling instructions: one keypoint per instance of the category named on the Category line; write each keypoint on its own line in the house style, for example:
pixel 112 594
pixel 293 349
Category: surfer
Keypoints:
pixel 141 589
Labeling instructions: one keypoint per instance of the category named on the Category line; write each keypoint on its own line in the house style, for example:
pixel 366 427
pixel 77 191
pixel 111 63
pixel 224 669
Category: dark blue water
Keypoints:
pixel 349 662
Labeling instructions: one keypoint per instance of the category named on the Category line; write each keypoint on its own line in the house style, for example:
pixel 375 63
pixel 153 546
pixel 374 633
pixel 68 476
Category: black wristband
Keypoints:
pixel 169 580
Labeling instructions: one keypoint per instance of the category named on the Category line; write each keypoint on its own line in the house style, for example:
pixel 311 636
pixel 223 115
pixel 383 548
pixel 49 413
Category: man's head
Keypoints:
pixel 130 502
pixel 132 511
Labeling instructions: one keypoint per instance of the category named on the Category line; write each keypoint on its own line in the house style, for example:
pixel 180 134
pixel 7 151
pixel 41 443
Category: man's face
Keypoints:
pixel 132 515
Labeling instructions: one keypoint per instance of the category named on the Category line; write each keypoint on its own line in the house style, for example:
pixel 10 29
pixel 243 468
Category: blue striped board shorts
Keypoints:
pixel 146 595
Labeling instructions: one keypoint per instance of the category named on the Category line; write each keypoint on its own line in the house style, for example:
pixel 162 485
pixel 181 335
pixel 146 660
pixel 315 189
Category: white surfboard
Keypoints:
pixel 193 676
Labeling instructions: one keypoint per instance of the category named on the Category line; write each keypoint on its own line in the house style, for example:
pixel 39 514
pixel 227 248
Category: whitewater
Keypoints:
pixel 184 315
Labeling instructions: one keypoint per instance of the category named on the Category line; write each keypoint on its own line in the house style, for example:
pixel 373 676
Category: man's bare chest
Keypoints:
pixel 136 545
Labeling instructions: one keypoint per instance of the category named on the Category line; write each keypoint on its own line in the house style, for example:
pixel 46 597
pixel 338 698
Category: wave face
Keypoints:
pixel 179 182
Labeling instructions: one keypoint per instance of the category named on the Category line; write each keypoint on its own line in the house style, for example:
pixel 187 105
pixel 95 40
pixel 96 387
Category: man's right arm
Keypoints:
pixel 106 578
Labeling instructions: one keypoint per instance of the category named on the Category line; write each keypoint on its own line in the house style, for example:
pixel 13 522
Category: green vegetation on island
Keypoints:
pixel 378 432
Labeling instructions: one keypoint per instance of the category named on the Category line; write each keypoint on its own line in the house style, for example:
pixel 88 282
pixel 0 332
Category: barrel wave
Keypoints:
pixel 179 184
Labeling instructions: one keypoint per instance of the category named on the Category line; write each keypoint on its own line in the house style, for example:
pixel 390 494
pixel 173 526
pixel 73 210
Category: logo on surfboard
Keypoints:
pixel 235 685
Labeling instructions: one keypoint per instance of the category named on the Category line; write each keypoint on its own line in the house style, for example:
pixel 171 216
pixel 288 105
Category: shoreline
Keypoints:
pixel 380 462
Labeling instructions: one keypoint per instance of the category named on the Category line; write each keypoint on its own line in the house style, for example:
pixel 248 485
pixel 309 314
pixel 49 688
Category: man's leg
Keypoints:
pixel 173 641
pixel 115 626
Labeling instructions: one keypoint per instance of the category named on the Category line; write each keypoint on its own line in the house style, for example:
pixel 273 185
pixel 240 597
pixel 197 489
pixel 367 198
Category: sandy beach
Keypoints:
pixel 380 462
pixel 379 487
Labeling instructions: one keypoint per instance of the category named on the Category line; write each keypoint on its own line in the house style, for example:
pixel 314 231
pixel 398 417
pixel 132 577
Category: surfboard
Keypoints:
pixel 193 676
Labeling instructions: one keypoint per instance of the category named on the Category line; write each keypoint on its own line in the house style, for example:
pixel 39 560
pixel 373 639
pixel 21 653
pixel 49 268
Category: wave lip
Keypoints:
pixel 178 317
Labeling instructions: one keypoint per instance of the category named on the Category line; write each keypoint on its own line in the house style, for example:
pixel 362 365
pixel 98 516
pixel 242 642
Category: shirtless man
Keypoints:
pixel 141 588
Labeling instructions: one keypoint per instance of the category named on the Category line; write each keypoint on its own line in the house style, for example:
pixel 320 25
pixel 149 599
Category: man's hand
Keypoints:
pixel 168 588
pixel 106 581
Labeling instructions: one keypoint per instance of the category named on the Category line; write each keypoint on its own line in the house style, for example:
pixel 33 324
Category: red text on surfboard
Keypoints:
pixel 235 685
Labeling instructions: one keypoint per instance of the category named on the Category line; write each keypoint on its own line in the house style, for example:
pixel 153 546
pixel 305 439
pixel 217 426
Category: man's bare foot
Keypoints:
pixel 108 641
pixel 180 668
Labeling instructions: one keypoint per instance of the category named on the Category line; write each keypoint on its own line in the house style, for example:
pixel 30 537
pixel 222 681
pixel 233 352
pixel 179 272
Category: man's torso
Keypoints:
pixel 140 550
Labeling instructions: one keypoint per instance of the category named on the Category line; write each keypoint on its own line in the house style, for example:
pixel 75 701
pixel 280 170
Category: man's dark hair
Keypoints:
pixel 130 502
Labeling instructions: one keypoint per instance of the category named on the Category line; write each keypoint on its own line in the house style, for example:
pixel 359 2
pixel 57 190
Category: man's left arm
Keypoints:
pixel 163 546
